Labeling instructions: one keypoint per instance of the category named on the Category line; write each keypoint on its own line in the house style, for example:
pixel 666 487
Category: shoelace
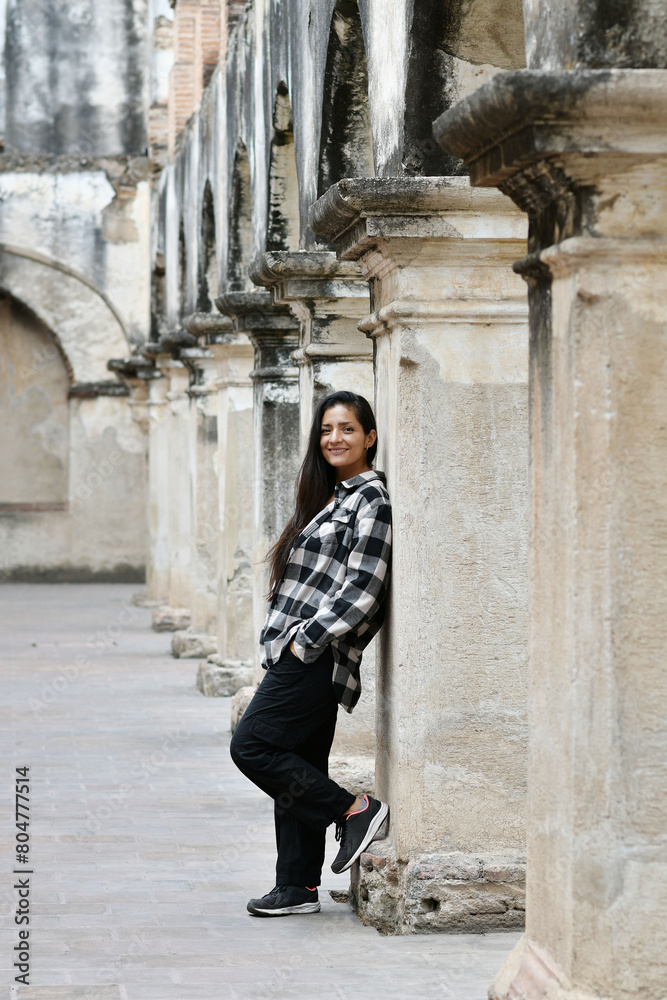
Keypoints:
pixel 277 888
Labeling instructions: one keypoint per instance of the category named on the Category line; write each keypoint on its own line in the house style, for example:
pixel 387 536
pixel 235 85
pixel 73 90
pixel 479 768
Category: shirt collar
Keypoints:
pixel 363 477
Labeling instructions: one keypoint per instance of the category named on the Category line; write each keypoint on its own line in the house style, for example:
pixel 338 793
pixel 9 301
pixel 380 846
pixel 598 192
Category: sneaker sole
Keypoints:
pixel 373 828
pixel 286 911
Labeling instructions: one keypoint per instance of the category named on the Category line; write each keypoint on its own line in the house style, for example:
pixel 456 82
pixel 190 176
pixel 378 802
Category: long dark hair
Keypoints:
pixel 317 479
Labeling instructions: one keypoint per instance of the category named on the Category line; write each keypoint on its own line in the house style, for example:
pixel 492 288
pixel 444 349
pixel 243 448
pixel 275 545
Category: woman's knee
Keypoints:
pixel 244 747
pixel 236 748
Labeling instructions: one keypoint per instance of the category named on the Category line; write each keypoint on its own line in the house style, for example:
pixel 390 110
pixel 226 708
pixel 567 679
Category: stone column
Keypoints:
pixel 449 325
pixel 230 668
pixel 137 373
pixel 585 155
pixel 157 568
pixel 200 639
pixel 273 332
pixel 329 297
pixel 178 487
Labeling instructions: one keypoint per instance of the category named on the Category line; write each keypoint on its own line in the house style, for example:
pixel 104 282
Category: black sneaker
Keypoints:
pixel 356 832
pixel 283 900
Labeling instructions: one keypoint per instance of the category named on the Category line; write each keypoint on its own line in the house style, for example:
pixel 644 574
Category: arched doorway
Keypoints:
pixel 34 413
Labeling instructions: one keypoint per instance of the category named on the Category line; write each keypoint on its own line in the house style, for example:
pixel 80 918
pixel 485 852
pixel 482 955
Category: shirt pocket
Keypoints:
pixel 334 532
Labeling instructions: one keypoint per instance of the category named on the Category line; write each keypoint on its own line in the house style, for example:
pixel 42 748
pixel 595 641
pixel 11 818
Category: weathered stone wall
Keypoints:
pixel 596 34
pixel 76 80
pixel 74 246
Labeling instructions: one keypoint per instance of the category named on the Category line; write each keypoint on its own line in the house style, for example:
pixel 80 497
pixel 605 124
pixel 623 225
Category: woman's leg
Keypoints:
pixel 300 847
pixel 292 705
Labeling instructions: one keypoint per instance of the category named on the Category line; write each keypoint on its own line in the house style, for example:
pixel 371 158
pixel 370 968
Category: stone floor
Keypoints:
pixel 146 842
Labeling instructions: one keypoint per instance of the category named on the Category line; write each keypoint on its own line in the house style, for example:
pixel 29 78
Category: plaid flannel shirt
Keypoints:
pixel 334 584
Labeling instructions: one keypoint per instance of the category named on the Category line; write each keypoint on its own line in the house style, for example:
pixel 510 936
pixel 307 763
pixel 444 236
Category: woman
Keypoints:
pixel 328 582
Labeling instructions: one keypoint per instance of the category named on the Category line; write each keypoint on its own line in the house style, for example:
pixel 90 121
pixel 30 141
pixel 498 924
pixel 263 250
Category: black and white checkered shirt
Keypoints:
pixel 335 583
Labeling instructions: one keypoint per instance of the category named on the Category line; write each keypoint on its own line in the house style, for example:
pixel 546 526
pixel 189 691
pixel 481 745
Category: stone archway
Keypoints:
pixel 86 325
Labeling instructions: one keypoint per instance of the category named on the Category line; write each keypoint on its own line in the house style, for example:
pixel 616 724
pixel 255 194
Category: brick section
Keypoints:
pixel 208 40
pixel 158 133
pixel 181 100
pixel 182 83
pixel 197 49
pixel 158 121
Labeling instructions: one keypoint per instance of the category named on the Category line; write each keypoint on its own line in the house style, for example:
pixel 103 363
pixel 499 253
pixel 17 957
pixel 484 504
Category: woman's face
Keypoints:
pixel 344 443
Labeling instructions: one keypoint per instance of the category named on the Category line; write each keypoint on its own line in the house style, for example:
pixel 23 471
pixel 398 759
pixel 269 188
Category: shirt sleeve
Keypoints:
pixel 361 593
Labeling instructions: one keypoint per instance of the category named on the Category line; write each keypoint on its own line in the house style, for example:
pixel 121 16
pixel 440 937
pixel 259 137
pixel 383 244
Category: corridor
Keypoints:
pixel 145 842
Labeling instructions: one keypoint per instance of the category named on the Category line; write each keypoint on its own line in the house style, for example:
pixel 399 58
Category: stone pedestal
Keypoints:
pixel 449 325
pixel 329 297
pixel 273 332
pixel 586 156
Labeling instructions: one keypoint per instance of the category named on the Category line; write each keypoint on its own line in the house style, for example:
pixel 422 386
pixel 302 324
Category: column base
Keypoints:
pixel 191 645
pixel 142 599
pixel 529 973
pixel 466 893
pixel 166 619
pixel 222 679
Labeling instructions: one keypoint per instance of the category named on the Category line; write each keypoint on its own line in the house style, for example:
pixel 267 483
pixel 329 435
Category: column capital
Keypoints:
pixel 201 363
pixel 209 328
pixel 136 372
pixel 177 375
pixel 578 151
pixel 273 331
pixel 319 289
pixel 308 275
pixel 251 311
pixel 436 250
pixel 135 368
pixel 169 344
pixel 357 214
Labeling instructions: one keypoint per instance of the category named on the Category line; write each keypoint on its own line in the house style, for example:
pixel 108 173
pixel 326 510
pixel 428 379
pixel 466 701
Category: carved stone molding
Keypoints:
pixel 562 145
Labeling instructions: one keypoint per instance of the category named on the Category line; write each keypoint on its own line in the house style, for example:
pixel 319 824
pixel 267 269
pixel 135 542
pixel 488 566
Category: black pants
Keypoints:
pixel 282 744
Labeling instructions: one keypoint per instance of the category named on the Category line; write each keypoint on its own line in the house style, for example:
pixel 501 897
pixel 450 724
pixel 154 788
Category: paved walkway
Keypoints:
pixel 146 842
